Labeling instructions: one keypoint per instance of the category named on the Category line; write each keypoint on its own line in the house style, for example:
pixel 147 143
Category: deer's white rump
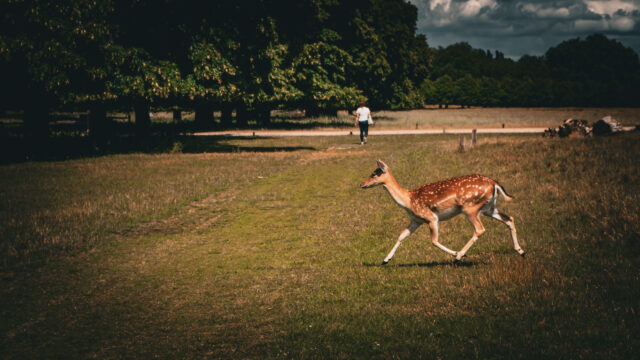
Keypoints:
pixel 439 201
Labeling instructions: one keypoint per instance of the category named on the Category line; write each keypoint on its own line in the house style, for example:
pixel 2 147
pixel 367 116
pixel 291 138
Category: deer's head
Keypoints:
pixel 378 177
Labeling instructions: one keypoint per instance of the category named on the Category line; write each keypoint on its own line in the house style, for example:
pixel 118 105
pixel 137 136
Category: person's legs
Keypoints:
pixel 364 131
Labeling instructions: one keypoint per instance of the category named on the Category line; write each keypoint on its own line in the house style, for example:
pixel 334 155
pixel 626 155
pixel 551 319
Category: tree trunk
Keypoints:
pixel 143 121
pixel 242 116
pixel 36 124
pixel 99 126
pixel 264 116
pixel 225 116
pixel 177 116
pixel 204 117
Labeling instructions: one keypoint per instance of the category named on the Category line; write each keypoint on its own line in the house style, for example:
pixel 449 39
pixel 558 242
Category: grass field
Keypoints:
pixel 453 117
pixel 268 248
pixel 495 117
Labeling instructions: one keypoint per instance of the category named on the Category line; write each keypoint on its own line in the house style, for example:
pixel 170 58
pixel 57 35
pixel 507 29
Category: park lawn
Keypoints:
pixel 479 117
pixel 467 118
pixel 271 250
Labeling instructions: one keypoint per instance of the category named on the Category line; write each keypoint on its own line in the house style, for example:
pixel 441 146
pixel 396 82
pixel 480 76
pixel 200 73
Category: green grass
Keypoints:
pixel 495 117
pixel 469 117
pixel 453 117
pixel 275 254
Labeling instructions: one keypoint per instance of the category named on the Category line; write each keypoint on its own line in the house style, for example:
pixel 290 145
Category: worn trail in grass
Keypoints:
pixel 283 262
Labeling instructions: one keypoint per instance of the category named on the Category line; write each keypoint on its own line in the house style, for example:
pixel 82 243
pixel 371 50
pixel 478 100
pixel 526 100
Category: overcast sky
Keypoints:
pixel 522 27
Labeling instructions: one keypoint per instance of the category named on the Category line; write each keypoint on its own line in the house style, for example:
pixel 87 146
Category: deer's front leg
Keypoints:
pixel 408 231
pixel 433 226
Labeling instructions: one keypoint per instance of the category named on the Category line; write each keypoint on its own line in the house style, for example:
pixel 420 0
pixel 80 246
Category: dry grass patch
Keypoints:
pixel 495 117
pixel 269 255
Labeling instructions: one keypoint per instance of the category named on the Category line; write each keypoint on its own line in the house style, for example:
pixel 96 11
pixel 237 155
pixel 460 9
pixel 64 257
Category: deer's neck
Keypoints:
pixel 400 195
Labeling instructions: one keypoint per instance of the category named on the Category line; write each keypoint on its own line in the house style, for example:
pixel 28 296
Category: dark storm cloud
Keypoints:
pixel 526 27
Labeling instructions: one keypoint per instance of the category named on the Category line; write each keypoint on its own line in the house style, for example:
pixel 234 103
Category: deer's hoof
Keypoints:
pixel 384 262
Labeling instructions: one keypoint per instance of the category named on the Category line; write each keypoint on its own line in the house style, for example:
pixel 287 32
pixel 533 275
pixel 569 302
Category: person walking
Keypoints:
pixel 363 117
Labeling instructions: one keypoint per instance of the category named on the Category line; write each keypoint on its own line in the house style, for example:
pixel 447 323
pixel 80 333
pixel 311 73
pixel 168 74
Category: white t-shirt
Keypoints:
pixel 364 113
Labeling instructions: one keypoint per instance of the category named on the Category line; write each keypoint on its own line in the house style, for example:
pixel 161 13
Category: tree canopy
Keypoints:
pixel 596 71
pixel 251 55
pixel 258 55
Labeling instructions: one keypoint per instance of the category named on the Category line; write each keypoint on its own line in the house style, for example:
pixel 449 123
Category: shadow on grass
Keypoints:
pixel 15 150
pixel 70 141
pixel 427 265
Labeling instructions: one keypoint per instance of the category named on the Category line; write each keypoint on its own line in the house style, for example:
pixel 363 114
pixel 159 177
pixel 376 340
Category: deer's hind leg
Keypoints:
pixel 507 220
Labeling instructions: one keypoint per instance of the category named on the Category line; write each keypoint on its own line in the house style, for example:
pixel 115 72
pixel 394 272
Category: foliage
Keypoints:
pixel 596 71
pixel 320 72
pixel 53 52
pixel 259 55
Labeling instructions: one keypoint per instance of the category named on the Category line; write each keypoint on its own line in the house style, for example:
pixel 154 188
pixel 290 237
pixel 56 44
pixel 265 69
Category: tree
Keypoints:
pixel 466 91
pixel 612 69
pixel 320 70
pixel 428 91
pixel 444 91
pixel 490 92
pixel 54 54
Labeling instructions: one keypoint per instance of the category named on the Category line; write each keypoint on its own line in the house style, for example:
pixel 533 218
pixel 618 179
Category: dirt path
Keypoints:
pixel 372 132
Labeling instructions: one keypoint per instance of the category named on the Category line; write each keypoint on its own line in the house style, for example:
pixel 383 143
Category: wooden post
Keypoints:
pixel 474 138
pixel 177 116
pixel 462 147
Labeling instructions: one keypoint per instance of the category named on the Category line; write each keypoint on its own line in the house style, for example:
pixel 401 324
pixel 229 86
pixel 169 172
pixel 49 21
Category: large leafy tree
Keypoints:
pixel 611 70
pixel 52 55
pixel 321 75
pixel 390 60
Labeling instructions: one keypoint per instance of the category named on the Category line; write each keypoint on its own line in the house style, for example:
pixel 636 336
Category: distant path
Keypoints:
pixel 372 132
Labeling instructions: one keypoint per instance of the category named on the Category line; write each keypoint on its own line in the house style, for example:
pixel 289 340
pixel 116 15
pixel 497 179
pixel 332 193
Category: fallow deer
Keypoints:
pixel 439 201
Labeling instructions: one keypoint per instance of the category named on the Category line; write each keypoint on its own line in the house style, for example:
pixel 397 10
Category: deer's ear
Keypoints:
pixel 382 166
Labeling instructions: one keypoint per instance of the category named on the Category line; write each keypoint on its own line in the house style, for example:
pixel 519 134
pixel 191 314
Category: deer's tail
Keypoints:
pixel 500 189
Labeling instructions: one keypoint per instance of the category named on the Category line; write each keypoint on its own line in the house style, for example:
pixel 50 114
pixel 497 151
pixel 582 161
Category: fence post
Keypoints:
pixel 474 137
pixel 462 147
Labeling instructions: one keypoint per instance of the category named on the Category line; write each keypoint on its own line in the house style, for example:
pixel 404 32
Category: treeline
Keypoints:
pixel 248 57
pixel 242 57
pixel 596 71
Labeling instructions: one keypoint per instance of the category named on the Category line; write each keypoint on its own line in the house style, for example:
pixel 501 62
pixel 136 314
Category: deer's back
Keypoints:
pixel 453 192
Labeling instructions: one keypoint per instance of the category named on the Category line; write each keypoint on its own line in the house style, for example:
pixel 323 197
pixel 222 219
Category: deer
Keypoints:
pixel 442 200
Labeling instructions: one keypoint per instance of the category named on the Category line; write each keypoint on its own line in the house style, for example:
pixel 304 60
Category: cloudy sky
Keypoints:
pixel 522 27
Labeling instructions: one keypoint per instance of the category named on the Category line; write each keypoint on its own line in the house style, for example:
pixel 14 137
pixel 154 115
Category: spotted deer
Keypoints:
pixel 439 201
